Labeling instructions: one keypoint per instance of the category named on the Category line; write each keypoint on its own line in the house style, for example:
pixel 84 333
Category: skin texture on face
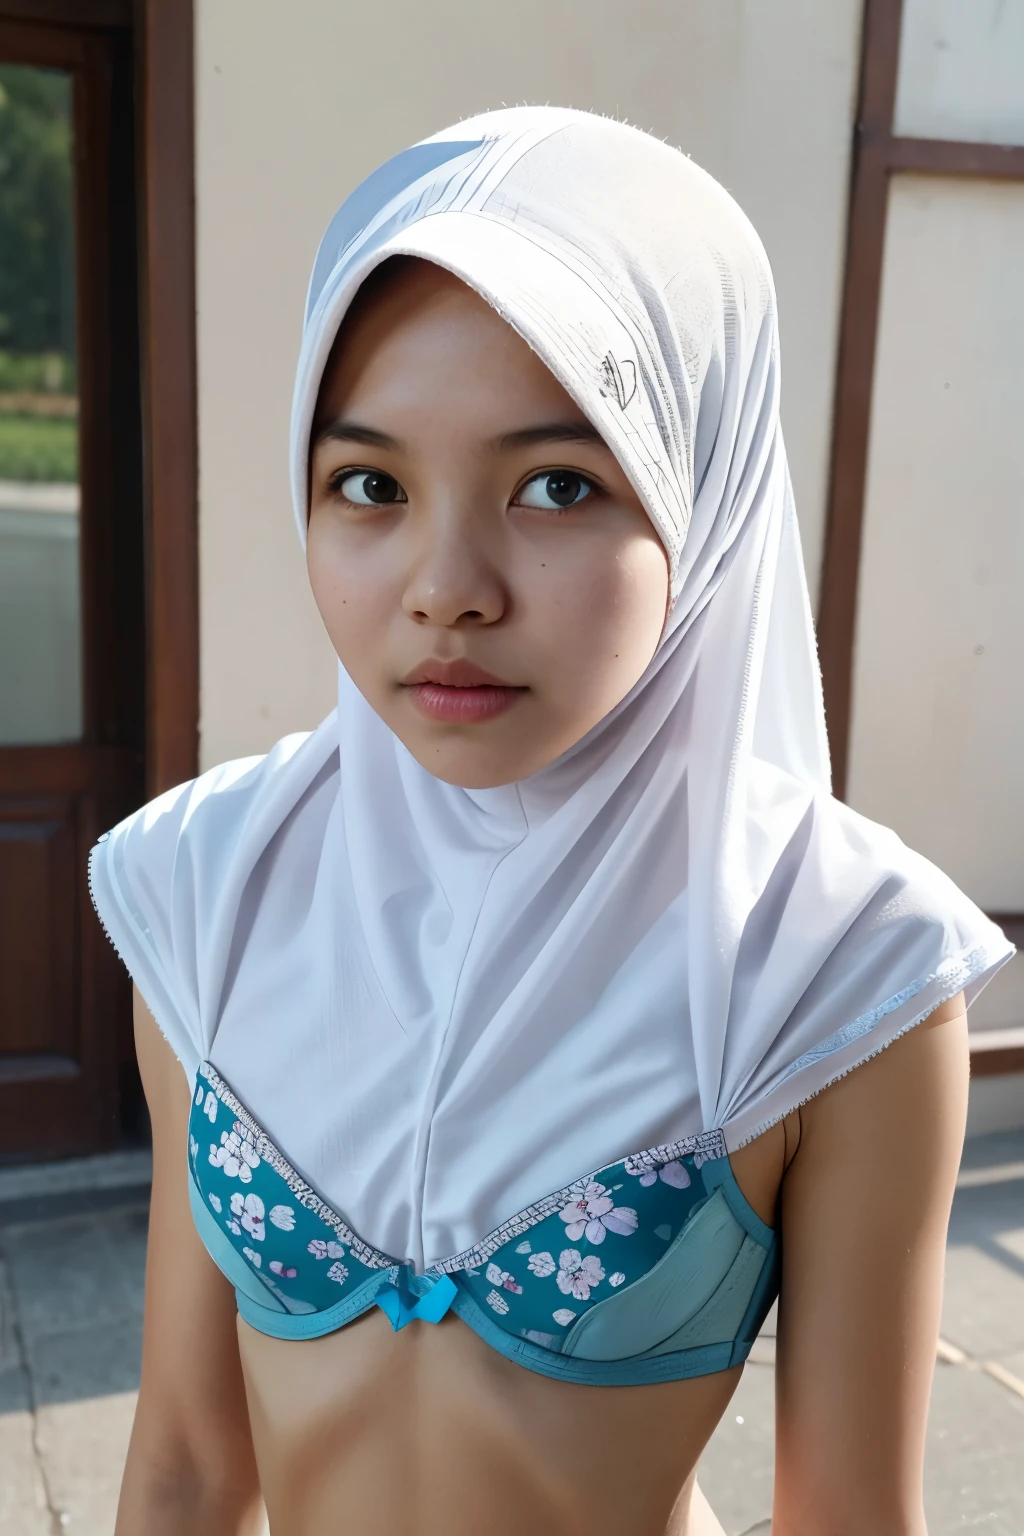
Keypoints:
pixel 485 570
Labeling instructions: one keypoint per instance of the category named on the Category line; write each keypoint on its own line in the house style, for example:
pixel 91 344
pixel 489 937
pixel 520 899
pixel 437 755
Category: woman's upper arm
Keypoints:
pixel 865 1205
pixel 191 1429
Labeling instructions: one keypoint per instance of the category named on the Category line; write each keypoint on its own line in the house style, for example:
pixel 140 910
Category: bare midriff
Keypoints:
pixel 430 1432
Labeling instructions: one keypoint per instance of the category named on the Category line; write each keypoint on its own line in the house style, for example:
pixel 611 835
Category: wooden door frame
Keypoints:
pixel 164 29
pixel 92 783
pixel 879 153
pixel 163 37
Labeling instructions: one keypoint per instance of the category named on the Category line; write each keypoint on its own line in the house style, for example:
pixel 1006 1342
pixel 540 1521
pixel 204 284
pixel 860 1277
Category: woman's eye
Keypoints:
pixel 369 488
pixel 554 490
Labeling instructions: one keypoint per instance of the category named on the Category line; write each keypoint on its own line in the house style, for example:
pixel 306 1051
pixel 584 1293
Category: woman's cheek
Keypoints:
pixel 358 633
pixel 615 631
pixel 337 592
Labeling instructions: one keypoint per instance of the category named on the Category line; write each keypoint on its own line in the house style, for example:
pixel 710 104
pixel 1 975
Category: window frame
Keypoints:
pixel 879 154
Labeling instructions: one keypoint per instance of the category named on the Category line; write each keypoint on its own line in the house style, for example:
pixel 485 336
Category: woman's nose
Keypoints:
pixel 453 579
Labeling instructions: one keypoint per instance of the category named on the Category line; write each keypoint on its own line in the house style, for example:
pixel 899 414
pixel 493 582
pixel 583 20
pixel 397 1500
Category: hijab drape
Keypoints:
pixel 445 1003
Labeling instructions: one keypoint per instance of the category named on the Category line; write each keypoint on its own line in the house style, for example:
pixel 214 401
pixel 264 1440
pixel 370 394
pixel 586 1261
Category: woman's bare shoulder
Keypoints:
pixel 923 1072
pixel 865 1204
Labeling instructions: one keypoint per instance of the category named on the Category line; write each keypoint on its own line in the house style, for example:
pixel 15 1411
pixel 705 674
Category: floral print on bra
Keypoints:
pixel 535 1275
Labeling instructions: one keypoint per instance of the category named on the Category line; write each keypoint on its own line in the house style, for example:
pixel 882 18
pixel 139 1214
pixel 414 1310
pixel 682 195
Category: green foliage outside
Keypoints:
pixel 37 373
pixel 37 276
pixel 38 448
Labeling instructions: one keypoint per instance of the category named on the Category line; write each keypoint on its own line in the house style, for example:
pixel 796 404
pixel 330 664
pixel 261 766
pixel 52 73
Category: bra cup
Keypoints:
pixel 231 1265
pixel 721 1317
pixel 654 1308
pixel 303 1273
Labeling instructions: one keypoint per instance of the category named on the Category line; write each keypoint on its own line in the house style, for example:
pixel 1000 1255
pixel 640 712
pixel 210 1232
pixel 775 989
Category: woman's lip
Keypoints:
pixel 463 706
pixel 458 673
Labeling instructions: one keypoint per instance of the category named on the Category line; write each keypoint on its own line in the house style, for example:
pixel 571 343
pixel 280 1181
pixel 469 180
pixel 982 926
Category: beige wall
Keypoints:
pixel 937 730
pixel 297 101
pixel 937 735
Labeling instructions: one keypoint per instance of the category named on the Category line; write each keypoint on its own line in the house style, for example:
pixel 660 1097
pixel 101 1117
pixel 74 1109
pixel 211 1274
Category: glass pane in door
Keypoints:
pixel 40 587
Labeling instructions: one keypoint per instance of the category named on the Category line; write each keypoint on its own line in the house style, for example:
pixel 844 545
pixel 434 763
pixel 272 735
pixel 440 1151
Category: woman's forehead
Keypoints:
pixel 631 274
pixel 417 338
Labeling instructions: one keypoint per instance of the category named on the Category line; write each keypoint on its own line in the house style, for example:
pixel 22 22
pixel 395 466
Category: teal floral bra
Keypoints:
pixel 652 1269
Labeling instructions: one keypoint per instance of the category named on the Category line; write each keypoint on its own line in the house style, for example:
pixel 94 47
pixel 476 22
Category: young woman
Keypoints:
pixel 518 1004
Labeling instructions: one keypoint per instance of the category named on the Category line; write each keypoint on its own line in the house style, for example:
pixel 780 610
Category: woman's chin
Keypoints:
pixel 477 765
pixel 488 753
pixel 466 771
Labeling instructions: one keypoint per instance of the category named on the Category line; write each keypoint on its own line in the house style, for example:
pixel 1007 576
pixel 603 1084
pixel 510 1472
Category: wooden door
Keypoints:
pixel 72 635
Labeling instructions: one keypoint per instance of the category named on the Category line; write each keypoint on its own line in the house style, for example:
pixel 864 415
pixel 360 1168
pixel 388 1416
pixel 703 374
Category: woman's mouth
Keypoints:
pixel 459 692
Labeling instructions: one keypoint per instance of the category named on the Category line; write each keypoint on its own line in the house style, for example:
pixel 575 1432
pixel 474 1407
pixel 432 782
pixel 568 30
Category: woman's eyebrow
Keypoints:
pixel 352 432
pixel 343 431
pixel 549 432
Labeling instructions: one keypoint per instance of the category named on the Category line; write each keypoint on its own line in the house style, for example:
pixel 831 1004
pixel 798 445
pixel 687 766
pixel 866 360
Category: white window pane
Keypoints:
pixel 962 71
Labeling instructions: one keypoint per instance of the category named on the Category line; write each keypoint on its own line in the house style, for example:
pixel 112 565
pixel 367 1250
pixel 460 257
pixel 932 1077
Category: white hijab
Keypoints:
pixel 442 1003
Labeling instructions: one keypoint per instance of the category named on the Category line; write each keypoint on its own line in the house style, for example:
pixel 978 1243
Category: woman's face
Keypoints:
pixel 486 573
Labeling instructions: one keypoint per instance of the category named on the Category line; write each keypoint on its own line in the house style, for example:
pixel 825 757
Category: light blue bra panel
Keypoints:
pixel 598 1373
pixel 635 1320
pixel 230 1263
pixel 765 1292
pixel 312 1324
pixel 718 1174
pixel 718 1321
